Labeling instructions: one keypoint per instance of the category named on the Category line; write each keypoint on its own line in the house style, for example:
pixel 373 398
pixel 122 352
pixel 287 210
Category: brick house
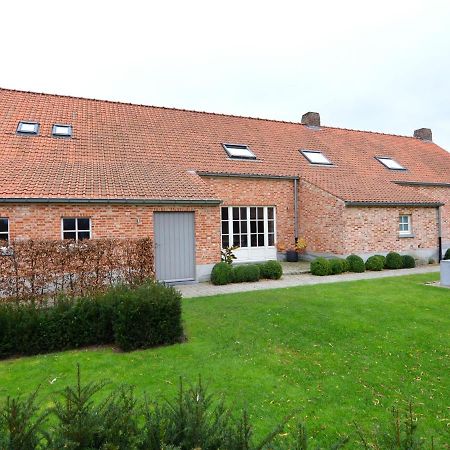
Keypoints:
pixel 77 168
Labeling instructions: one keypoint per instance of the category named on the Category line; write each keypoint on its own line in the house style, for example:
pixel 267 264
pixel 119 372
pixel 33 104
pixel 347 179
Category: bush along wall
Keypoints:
pixel 224 273
pixel 129 317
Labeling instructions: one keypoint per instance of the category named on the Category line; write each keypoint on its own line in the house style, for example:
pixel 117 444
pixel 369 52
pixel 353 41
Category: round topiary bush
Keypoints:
pixel 447 254
pixel 393 261
pixel 320 267
pixel 336 266
pixel 375 263
pixel 345 265
pixel 408 262
pixel 222 273
pixel 246 273
pixel 383 258
pixel 356 264
pixel 271 270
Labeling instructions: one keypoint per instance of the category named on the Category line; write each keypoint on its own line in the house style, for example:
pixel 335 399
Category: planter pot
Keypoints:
pixel 291 256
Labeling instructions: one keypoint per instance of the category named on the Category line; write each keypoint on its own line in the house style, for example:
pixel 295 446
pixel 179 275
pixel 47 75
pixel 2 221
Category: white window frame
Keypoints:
pixel 385 160
pixel 229 149
pixel 33 132
pixel 76 230
pixel 408 222
pixel 5 233
pixel 308 155
pixel 55 133
pixel 266 226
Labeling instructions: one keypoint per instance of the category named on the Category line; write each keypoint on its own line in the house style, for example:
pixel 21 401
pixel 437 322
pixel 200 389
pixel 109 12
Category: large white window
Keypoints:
pixel 76 228
pixel 4 230
pixel 405 224
pixel 62 130
pixel 28 128
pixel 239 151
pixel 390 163
pixel 248 226
pixel 315 157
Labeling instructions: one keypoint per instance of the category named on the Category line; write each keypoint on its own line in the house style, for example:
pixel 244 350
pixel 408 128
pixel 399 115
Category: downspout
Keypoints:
pixel 296 209
pixel 439 224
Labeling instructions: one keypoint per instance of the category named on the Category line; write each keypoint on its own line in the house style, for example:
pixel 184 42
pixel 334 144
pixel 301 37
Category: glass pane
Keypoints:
pixel 260 213
pixel 3 237
pixel 224 213
pixel 235 213
pixel 253 240
pixel 252 213
pixel 225 227
pixel 3 225
pixel 244 240
pixel 253 227
pixel 270 226
pixel 83 235
pixel 225 241
pixel 270 213
pixel 236 226
pixel 243 227
pixel 236 240
pixel 70 235
pixel 83 224
pixel 271 239
pixel 260 226
pixel 260 240
pixel 243 213
pixel 69 224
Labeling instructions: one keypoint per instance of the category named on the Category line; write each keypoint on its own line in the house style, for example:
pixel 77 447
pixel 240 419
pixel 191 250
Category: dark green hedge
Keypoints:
pixel 447 254
pixel 271 270
pixel 375 263
pixel 356 264
pixel 320 267
pixel 408 262
pixel 393 261
pixel 222 273
pixel 246 273
pixel 132 318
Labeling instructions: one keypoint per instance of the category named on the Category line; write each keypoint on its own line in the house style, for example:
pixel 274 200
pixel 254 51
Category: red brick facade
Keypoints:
pixel 43 221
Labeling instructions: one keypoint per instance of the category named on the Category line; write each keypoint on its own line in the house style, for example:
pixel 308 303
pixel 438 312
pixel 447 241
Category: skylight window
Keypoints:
pixel 239 151
pixel 62 130
pixel 315 157
pixel 390 163
pixel 28 128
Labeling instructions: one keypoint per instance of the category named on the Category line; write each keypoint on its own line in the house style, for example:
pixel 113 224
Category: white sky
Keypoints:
pixel 378 65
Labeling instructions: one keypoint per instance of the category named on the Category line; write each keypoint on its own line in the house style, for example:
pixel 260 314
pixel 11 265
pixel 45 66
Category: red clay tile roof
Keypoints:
pixel 126 151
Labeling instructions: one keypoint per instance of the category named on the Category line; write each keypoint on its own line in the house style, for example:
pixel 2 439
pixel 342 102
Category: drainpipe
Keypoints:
pixel 439 224
pixel 296 209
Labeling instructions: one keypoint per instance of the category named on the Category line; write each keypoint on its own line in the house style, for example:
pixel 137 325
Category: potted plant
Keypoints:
pixel 299 247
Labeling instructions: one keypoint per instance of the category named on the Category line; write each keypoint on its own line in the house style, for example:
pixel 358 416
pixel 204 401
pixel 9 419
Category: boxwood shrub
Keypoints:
pixel 375 263
pixel 246 273
pixel 408 262
pixel 222 273
pixel 320 266
pixel 393 261
pixel 336 266
pixel 138 317
pixel 271 270
pixel 356 264
pixel 447 254
pixel 383 258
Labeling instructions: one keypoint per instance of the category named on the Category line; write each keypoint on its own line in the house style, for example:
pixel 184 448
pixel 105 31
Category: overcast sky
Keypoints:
pixel 378 65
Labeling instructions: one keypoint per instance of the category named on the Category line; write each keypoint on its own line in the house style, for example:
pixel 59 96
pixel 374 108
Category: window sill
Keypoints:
pixel 409 235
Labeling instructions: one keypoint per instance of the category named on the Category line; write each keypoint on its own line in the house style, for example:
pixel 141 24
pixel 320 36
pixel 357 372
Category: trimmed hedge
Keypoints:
pixel 271 270
pixel 393 261
pixel 246 273
pixel 222 273
pixel 408 262
pixel 321 267
pixel 140 317
pixel 383 258
pixel 375 263
pixel 356 264
pixel 345 265
pixel 336 266
pixel 447 254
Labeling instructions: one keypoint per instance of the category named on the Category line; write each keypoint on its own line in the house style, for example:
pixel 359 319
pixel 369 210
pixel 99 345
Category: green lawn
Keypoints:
pixel 335 352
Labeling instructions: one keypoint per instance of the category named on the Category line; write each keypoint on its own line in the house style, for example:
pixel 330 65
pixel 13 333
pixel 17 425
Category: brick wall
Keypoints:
pixel 43 221
pixel 236 191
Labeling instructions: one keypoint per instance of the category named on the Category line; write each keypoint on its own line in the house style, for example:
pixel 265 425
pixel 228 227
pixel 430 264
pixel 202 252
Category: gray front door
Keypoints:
pixel 174 246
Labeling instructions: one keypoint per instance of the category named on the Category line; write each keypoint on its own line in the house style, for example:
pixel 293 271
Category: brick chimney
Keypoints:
pixel 311 119
pixel 423 133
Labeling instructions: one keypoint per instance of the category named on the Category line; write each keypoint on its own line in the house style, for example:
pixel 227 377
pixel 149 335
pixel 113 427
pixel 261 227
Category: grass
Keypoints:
pixel 334 352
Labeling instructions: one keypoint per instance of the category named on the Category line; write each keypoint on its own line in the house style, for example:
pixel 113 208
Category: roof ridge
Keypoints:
pixel 117 102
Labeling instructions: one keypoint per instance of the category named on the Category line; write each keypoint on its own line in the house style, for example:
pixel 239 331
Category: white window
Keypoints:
pixel 62 130
pixel 315 157
pixel 390 163
pixel 405 224
pixel 239 151
pixel 28 128
pixel 4 231
pixel 76 228
pixel 248 226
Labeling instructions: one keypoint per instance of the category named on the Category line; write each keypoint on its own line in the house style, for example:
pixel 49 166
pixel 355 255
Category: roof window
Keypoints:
pixel 315 157
pixel 390 163
pixel 239 151
pixel 62 130
pixel 28 128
